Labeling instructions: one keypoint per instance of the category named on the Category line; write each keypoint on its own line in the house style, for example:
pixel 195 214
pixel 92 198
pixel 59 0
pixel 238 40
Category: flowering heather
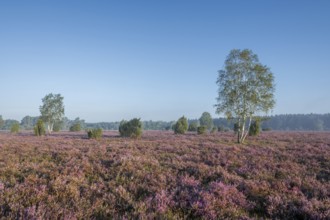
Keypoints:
pixel 276 175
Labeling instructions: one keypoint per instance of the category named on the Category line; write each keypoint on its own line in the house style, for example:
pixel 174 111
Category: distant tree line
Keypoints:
pixel 288 122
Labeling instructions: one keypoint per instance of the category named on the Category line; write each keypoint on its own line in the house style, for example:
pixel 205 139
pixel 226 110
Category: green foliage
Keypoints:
pixel 14 128
pixel 255 128
pixel 95 133
pixel 193 126
pixel 57 126
pixel 75 127
pixel 132 128
pixel 206 120
pixel 39 128
pixel 28 122
pixel 201 129
pixel 246 87
pixel 52 110
pixel 181 126
pixel 2 122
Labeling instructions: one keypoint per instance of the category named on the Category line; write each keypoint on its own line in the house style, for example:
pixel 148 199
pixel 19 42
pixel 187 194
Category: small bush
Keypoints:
pixel 181 126
pixel 132 128
pixel 39 128
pixel 95 133
pixel 14 128
pixel 254 128
pixel 193 126
pixel 201 130
pixel 75 127
pixel 57 126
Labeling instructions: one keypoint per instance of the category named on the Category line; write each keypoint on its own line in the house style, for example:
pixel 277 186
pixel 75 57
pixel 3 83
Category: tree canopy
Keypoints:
pixel 246 88
pixel 206 120
pixel 52 110
pixel 181 126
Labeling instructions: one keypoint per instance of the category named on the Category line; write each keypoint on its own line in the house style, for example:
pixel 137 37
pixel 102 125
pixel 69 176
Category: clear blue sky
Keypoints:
pixel 158 60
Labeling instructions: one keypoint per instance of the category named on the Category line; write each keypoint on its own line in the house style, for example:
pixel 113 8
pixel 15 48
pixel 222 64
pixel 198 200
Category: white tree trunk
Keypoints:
pixel 248 129
pixel 50 127
pixel 242 132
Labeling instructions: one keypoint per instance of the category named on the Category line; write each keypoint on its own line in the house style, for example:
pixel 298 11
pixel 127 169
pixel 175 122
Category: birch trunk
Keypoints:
pixel 248 129
pixel 243 132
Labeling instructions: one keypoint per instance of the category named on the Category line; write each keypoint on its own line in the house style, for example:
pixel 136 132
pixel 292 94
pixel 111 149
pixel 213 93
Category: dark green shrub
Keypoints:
pixel 75 127
pixel 181 126
pixel 193 126
pixel 39 128
pixel 132 128
pixel 14 128
pixel 201 130
pixel 57 126
pixel 95 133
pixel 254 128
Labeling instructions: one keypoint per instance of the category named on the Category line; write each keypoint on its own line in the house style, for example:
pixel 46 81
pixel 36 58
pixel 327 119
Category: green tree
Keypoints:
pixel 14 128
pixel 201 129
pixel 58 125
pixel 193 126
pixel 206 120
pixel 246 88
pixel 255 128
pixel 75 127
pixel 132 128
pixel 39 128
pixel 52 110
pixel 2 122
pixel 28 122
pixel 181 126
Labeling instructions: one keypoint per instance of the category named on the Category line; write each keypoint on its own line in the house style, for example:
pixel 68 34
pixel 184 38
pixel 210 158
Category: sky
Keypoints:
pixel 157 59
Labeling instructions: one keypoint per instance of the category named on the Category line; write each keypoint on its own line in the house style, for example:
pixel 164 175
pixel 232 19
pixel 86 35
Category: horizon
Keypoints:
pixel 157 60
pixel 214 118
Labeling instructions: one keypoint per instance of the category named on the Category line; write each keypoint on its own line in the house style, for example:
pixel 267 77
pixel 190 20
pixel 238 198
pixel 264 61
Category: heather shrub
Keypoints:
pixel 254 128
pixel 201 130
pixel 181 126
pixel 14 128
pixel 75 127
pixel 95 133
pixel 132 128
pixel 165 176
pixel 39 128
pixel 193 126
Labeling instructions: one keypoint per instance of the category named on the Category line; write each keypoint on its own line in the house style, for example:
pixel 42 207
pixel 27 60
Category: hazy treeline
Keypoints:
pixel 299 122
pixel 295 122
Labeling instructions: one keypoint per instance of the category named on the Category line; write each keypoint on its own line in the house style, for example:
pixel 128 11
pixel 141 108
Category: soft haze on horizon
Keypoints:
pixel 157 60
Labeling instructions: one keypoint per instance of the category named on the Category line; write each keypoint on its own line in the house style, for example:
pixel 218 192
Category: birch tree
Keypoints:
pixel 52 110
pixel 246 89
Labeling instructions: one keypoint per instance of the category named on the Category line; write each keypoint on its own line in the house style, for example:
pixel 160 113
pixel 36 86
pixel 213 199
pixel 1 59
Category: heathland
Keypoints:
pixel 64 175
